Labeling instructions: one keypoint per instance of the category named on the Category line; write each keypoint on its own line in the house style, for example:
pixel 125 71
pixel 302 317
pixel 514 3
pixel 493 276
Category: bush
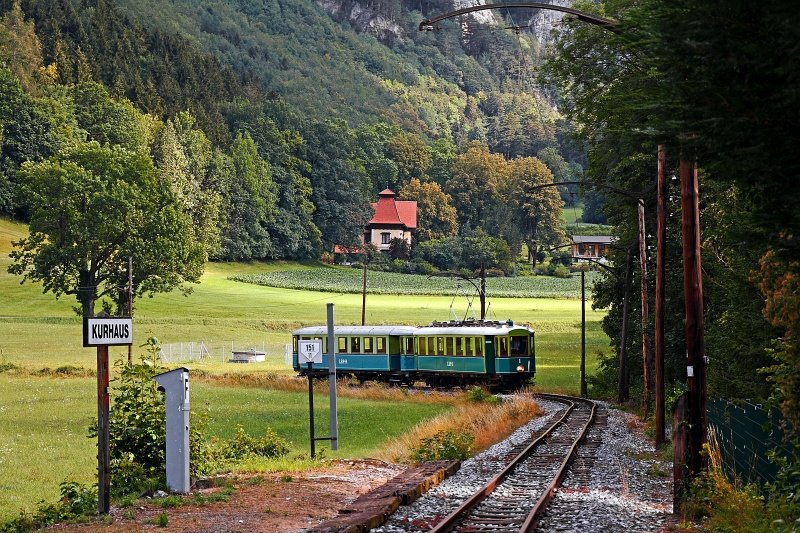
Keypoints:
pixel 481 395
pixel 137 424
pixel 244 445
pixel 444 445
pixel 420 266
pixel 560 271
pixel 78 503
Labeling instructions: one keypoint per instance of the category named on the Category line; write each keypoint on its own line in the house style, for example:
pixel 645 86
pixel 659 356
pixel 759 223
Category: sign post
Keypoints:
pixel 102 332
pixel 310 352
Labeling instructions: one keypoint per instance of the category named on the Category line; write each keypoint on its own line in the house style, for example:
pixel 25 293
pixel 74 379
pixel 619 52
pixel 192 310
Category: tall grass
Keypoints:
pixel 487 423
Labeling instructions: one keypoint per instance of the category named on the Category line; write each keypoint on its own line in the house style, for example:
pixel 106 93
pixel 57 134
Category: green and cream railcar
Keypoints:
pixel 381 353
pixel 497 354
pixel 494 353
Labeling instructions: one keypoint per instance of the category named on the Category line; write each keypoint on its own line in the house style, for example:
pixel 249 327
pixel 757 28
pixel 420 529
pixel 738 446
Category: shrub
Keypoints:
pixel 481 395
pixel 136 424
pixel 420 266
pixel 560 271
pixel 444 445
pixel 244 445
pixel 78 503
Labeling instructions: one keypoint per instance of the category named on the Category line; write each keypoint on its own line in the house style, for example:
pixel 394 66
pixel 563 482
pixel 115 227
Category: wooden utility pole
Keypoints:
pixel 645 311
pixel 103 434
pixel 693 294
pixel 622 385
pixel 661 270
pixel 584 392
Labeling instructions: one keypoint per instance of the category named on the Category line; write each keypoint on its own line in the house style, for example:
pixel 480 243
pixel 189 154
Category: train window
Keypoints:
pixel 519 346
pixel 380 344
pixel 502 346
pixel 342 344
pixel 459 346
pixel 533 347
pixel 323 342
pixel 355 344
pixel 479 346
pixel 409 345
pixel 294 344
pixel 367 344
pixel 469 342
pixel 448 342
pixel 422 346
pixel 431 346
pixel 439 345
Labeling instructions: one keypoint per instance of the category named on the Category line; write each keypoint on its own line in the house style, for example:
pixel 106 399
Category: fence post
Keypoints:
pixel 680 446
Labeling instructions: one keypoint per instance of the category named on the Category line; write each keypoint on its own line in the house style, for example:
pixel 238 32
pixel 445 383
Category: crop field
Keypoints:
pixel 349 280
pixel 44 416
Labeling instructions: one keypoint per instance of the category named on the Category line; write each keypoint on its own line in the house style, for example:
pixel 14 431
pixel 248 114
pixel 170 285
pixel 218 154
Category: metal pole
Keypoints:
pixel 645 312
pixel 103 438
pixel 311 409
pixel 332 382
pixel 622 385
pixel 661 269
pixel 363 295
pixel 693 295
pixel 583 335
pixel 483 291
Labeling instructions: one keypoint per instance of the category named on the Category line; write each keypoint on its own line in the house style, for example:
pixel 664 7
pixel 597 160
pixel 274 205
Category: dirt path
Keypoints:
pixel 259 503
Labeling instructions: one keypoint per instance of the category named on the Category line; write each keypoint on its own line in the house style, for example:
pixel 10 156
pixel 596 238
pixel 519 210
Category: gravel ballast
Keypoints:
pixel 628 489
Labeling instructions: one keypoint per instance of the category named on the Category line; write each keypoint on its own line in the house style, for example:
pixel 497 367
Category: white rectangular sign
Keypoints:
pixel 309 352
pixel 107 331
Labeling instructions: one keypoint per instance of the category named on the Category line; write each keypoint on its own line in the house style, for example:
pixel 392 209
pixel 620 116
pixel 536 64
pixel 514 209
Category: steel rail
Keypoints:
pixel 541 504
pixel 450 520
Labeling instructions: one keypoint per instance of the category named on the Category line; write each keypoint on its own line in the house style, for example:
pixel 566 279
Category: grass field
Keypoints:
pixel 43 420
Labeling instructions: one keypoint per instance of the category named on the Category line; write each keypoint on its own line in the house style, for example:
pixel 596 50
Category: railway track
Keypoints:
pixel 516 497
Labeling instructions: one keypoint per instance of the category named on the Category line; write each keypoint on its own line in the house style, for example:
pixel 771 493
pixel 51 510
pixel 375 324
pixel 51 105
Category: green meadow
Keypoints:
pixel 44 419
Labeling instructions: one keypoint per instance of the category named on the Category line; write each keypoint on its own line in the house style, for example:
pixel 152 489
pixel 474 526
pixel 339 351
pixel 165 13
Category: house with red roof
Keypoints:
pixel 393 219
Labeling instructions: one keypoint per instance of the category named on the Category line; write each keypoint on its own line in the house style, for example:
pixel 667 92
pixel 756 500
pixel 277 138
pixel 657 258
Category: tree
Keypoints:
pixel 537 209
pixel 250 203
pixel 476 173
pixel 92 207
pixel 399 249
pixel 411 155
pixel 436 218
pixel 20 50
pixel 340 190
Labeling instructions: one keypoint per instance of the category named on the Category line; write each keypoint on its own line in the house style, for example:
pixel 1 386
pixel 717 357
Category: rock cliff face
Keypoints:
pixel 365 17
pixel 380 18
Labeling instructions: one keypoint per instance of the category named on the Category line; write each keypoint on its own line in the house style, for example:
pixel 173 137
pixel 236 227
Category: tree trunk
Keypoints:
pixel 87 292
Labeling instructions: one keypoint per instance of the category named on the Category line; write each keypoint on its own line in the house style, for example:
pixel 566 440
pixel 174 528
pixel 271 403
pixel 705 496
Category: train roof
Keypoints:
pixel 357 330
pixel 501 329
pixel 444 328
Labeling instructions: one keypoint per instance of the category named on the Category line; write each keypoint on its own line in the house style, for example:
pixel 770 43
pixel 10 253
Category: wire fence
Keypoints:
pixel 747 433
pixel 186 352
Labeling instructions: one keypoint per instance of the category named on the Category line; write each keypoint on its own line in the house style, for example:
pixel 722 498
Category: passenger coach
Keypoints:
pixel 446 354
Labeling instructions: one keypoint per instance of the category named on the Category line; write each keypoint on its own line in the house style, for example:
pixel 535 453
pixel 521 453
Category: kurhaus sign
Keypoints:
pixel 107 331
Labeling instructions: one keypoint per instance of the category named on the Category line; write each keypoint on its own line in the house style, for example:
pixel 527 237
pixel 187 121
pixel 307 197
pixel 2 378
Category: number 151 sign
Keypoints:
pixel 309 352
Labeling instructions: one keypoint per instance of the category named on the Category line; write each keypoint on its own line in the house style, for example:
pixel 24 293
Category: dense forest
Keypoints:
pixel 277 123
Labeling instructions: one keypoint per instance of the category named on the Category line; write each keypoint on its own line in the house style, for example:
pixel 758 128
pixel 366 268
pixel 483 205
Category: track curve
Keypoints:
pixel 516 497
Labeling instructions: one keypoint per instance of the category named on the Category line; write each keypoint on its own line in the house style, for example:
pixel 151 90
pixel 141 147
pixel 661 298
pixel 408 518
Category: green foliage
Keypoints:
pixel 443 445
pixel 82 230
pixel 78 503
pixel 137 424
pixel 243 445
pixel 481 395
pixel 348 280
pixel 560 271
